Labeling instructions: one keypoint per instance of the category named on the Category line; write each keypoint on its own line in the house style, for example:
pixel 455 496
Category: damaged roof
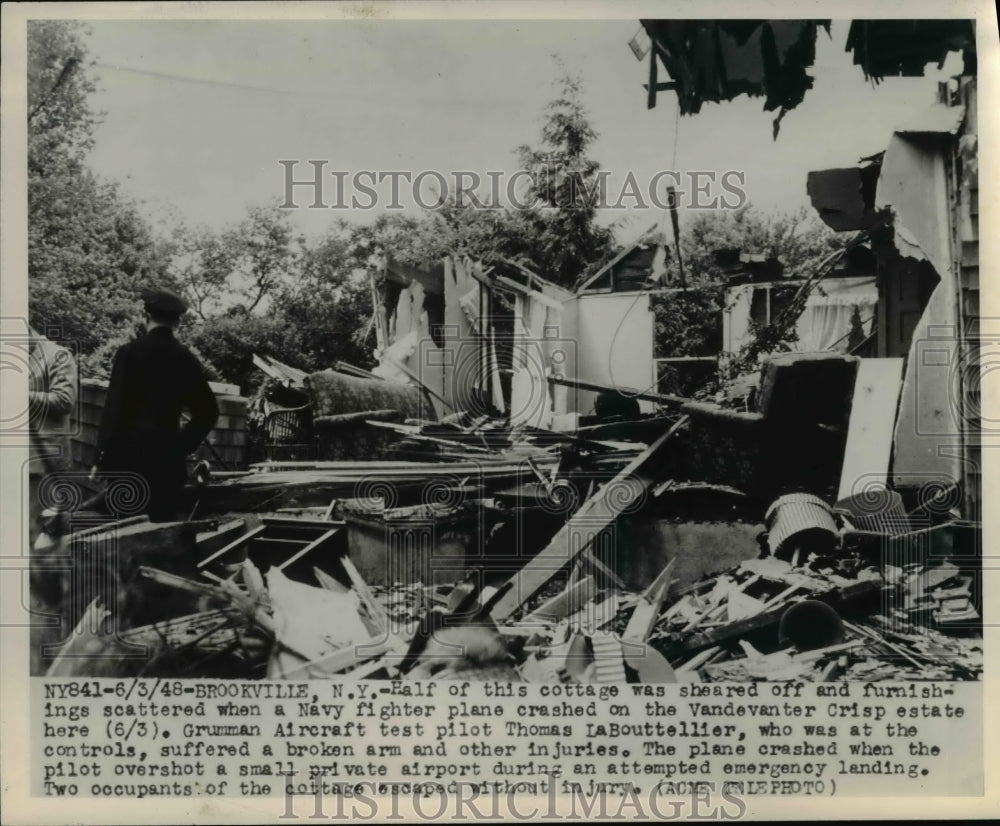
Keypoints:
pixel 632 268
pixel 719 60
pixel 716 60
pixel 884 48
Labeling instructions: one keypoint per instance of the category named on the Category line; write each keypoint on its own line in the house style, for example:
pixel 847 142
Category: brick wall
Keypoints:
pixel 228 438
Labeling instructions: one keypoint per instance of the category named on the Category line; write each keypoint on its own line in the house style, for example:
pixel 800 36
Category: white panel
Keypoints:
pixel 614 341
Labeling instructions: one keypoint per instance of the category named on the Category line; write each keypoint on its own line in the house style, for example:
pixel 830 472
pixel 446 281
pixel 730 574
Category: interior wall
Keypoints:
pixel 412 345
pixel 614 345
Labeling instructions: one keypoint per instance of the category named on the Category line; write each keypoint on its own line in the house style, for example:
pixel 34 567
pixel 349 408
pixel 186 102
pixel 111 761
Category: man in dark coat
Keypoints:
pixel 153 380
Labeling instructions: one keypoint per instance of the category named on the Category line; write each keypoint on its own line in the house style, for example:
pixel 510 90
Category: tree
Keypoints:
pixel 60 120
pixel 89 251
pixel 201 263
pixel 558 237
pixel 330 308
pixel 313 320
pixel 89 254
pixel 262 247
pixel 230 340
pixel 242 266
pixel 797 239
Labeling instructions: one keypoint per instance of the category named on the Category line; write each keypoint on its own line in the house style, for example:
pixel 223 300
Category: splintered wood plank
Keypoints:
pixel 604 574
pixel 873 417
pixel 312 546
pixel 647 609
pixel 594 516
pixel 375 610
pixel 563 604
pixel 232 546
pixel 328 582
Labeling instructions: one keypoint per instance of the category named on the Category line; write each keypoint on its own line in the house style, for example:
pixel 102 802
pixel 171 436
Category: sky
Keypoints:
pixel 198 114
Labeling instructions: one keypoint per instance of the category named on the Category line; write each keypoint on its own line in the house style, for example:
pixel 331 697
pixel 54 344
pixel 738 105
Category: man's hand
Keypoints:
pixel 93 474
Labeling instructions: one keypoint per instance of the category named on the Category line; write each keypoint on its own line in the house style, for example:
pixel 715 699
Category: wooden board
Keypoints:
pixel 224 389
pixel 873 417
pixel 594 516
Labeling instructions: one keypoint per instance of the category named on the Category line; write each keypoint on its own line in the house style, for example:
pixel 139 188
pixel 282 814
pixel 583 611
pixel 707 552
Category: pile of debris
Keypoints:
pixel 832 594
pixel 699 542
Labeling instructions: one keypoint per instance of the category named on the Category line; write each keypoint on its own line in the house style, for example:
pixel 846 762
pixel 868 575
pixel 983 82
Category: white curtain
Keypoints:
pixel 736 317
pixel 530 403
pixel 825 323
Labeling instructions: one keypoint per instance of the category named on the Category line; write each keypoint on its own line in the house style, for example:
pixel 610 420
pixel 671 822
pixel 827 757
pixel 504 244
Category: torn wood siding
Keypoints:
pixel 965 225
pixel 931 186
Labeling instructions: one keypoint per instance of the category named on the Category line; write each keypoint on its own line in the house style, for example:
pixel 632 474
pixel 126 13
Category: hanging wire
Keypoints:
pixel 635 301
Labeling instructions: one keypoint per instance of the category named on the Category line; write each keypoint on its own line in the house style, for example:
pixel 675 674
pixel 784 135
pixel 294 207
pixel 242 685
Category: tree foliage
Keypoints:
pixel 797 239
pixel 330 303
pixel 89 250
pixel 242 266
pixel 60 119
pixel 690 323
pixel 560 238
pixel 253 287
pixel 317 310
pixel 89 254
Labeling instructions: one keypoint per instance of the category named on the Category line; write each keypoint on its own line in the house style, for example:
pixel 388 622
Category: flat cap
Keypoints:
pixel 163 301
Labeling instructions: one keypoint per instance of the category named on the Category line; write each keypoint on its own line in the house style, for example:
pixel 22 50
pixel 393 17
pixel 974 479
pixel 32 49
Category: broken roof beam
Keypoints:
pixel 548 301
pixel 719 60
pixel 534 278
pixel 357 372
pixel 579 384
pixel 284 373
pixel 642 238
pixel 903 48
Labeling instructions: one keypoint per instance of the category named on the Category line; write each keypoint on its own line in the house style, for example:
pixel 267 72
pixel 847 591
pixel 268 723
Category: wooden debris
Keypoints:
pixel 414 433
pixel 873 416
pixel 85 641
pixel 565 616
pixel 374 610
pixel 311 623
pixel 226 593
pixel 328 582
pixel 647 609
pixel 595 515
pixel 562 605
